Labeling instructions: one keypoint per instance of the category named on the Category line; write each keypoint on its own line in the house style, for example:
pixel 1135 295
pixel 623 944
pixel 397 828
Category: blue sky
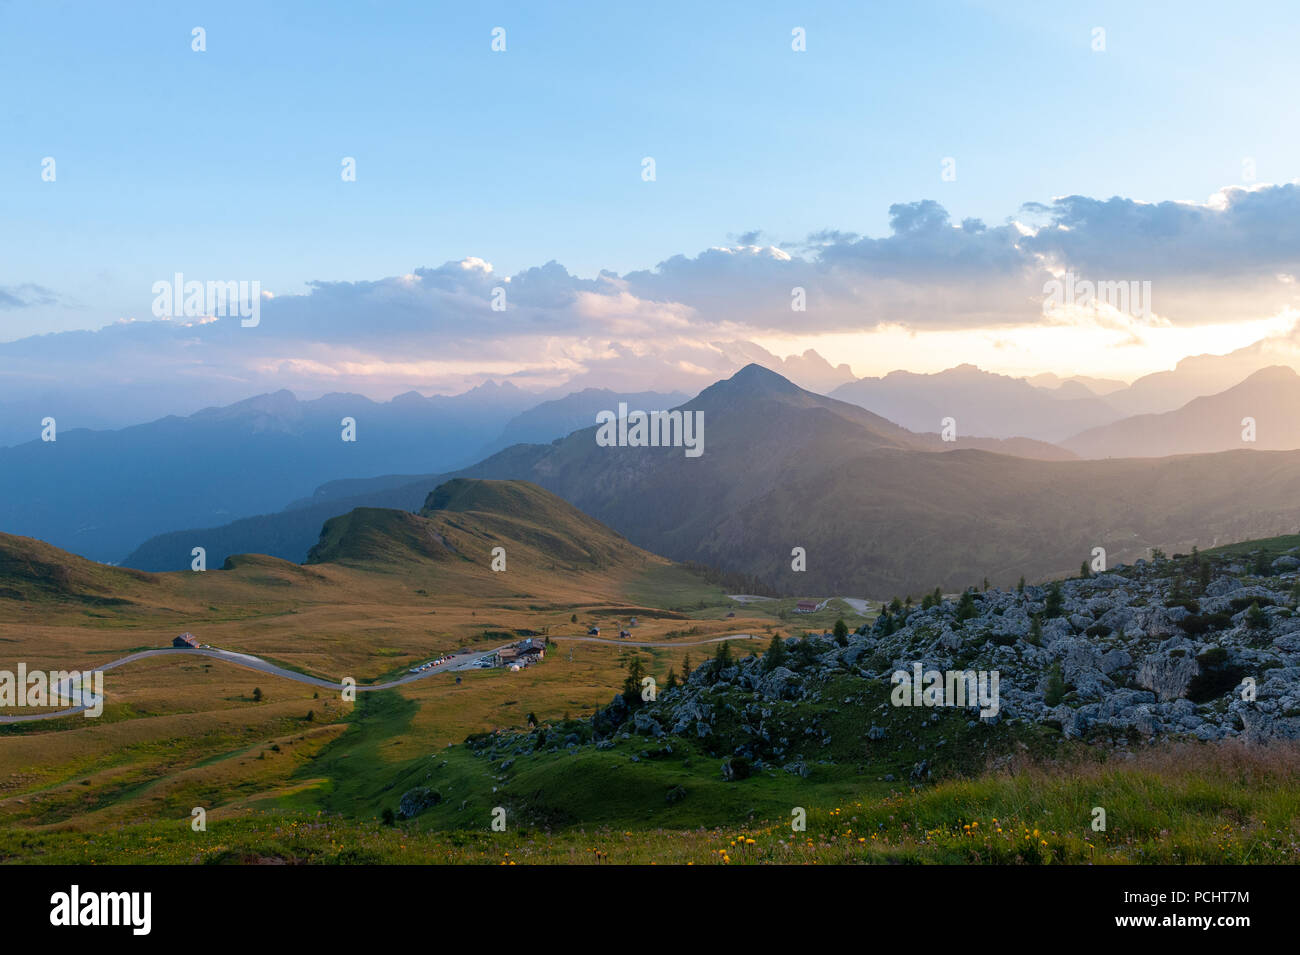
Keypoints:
pixel 225 164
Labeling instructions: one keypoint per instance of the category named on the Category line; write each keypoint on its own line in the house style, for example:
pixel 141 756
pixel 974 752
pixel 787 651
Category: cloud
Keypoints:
pixel 1230 258
pixel 26 296
pixel 1224 259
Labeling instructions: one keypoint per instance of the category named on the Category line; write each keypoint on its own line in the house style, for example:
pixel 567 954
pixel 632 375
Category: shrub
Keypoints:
pixel 1196 624
pixel 1216 678
pixel 736 768
pixel 1255 618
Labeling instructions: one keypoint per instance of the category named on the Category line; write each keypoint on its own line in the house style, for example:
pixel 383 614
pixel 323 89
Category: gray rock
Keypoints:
pixel 1166 676
pixel 416 801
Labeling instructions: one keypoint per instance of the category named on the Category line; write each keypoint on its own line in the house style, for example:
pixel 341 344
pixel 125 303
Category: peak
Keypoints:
pixel 757 377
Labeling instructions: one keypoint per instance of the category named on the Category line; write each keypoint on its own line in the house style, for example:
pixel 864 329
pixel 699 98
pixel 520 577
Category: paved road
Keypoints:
pixel 460 661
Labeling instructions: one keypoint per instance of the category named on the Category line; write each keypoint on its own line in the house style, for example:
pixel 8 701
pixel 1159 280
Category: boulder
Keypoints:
pixel 1167 676
pixel 416 801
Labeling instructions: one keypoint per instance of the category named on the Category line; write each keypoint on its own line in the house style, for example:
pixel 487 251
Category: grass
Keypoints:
pixel 1183 804
pixel 182 732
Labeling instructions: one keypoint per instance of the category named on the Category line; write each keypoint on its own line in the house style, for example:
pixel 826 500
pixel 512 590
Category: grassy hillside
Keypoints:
pixel 1182 806
pixel 178 731
pixel 291 773
pixel 31 570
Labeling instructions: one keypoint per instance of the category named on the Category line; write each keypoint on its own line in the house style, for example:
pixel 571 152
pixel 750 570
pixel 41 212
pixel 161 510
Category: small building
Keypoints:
pixel 806 606
pixel 531 653
pixel 507 656
pixel 186 641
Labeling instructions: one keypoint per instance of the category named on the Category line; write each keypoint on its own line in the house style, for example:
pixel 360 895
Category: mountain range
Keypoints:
pixel 103 493
pixel 876 508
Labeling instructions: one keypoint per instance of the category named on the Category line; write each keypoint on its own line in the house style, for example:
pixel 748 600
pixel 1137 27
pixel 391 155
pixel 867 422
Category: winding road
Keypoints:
pixel 460 661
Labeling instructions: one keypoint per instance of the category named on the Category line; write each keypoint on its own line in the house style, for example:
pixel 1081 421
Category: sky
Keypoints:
pixel 921 169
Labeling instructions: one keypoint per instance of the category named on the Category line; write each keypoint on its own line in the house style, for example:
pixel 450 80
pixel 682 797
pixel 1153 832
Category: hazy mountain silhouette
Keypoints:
pixel 1271 396
pixel 101 493
pixel 982 403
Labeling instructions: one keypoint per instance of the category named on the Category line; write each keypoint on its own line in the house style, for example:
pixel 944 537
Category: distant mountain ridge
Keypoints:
pixel 1270 398
pixel 878 509
pixel 981 403
pixel 560 416
pixel 102 493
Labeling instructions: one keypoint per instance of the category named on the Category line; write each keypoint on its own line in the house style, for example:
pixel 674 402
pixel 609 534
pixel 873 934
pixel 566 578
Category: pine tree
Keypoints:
pixel 1020 587
pixel 966 606
pixel 632 684
pixel 776 653
pixel 1055 689
pixel 1054 600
